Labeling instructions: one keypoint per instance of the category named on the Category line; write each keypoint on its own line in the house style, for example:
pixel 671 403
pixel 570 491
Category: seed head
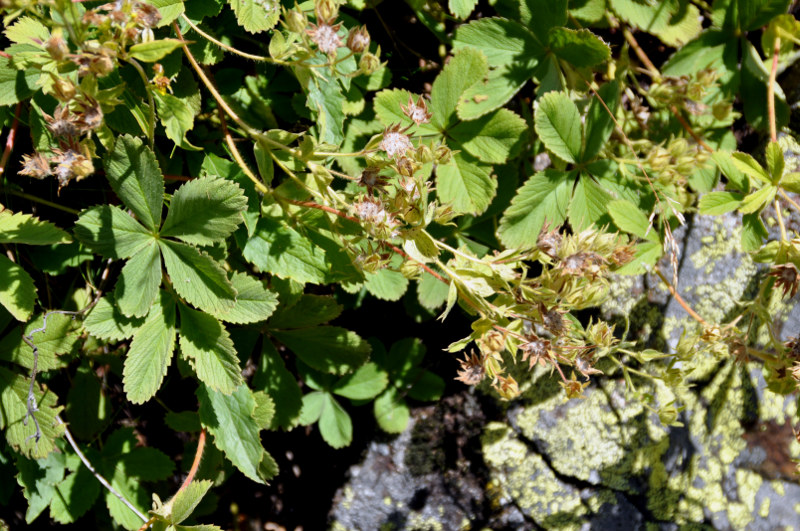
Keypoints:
pixel 537 350
pixel 471 371
pixel 325 37
pixel 36 166
pixel 372 180
pixel 395 142
pixel 63 122
pixel 549 242
pixel 418 112
pixel 583 263
pixel 786 277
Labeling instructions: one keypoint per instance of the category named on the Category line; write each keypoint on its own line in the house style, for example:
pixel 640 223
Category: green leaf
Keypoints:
pixel 325 99
pixel 543 15
pixel 431 292
pixel 151 352
pixel 589 204
pixel 254 302
pixel 754 76
pixel 391 411
pixel 38 479
pixel 335 424
pixel 308 310
pixel 465 184
pixel 386 284
pixel 600 120
pixel 746 164
pixel 198 278
pixel 105 321
pixel 366 383
pixel 326 348
pixel 138 282
pixel 188 421
pixel 758 199
pixel 183 504
pixel 58 337
pixel 171 9
pixel 256 16
pixel 736 177
pixel 177 117
pixel 16 85
pixel 513 54
pixel 134 175
pixel 229 418
pixel 273 377
pixel 88 409
pixel 209 347
pixel 558 125
pixel 27 229
pixel 265 409
pixel 775 161
pixel 627 217
pixel 403 356
pixel 716 203
pixel 580 48
pixel 111 232
pixel 543 197
pixel 425 385
pixel 752 14
pixel 491 138
pixel 468 66
pixel 74 496
pixel 461 8
pixel 312 408
pixel 387 108
pixel 753 232
pixel 27 30
pixel 13 411
pixel 205 211
pixel 282 251
pixel 17 291
pixel 791 182
pixel 675 22
pixel 153 51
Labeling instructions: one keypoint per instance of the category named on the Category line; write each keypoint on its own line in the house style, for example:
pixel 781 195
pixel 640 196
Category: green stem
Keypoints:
pixel 39 200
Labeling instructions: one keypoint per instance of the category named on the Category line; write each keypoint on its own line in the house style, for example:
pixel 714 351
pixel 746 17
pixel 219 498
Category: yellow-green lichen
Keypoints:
pixel 418 522
pixel 763 511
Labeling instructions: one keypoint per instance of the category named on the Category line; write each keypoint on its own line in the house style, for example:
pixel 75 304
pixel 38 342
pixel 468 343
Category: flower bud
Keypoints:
pixel 326 10
pixel 296 20
pixel 424 154
pixel 443 155
pixel 369 63
pixel 57 47
pixel 358 39
pixel 63 89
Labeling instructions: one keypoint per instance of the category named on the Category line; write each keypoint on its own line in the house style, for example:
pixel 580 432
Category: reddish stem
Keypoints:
pixel 198 455
pixel 12 134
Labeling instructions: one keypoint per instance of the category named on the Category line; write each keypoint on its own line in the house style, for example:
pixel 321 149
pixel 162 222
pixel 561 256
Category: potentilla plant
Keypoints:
pixel 199 195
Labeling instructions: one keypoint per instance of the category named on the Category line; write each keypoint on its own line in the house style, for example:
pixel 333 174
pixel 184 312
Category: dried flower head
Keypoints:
pixel 395 142
pixel 583 263
pixel 417 112
pixel 471 371
pixel 623 254
pixel 63 122
pixel 585 366
pixel 406 167
pixel 786 277
pixel 574 388
pixel 57 47
pixel 371 210
pixel 537 350
pixel 146 15
pixel 372 180
pixel 358 39
pixel 549 241
pixel 90 115
pixel 326 37
pixel 71 164
pixel 36 166
pixel 794 348
pixel 506 387
pixel 553 319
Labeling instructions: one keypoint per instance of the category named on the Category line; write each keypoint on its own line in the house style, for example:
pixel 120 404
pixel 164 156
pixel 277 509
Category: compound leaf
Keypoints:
pixel 466 184
pixel 133 173
pixel 108 230
pixel 254 302
pixel 138 282
pixel 197 277
pixel 543 197
pixel 558 124
pixel 326 348
pixel 209 347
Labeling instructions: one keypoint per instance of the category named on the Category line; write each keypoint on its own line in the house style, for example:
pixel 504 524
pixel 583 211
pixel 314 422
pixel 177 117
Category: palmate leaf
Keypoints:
pixel 133 173
pixel 138 282
pixel 38 479
pixel 543 197
pixel 17 291
pixel 367 382
pixel 111 232
pixel 197 277
pixel 27 229
pixel 466 184
pixel 13 410
pixel 558 124
pixel 205 211
pixel 326 348
pixel 151 351
pixel 588 205
pixel 229 418
pixel 335 425
pixel 274 378
pixel 209 347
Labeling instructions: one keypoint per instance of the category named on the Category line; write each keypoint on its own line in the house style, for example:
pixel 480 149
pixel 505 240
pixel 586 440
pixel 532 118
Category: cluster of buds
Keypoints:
pixel 131 20
pixel 675 162
pixel 684 89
